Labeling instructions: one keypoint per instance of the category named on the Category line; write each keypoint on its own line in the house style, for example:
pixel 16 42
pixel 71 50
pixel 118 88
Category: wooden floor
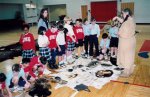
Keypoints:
pixel 139 81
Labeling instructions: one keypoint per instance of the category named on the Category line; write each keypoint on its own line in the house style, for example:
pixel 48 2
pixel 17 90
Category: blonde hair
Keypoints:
pixel 67 19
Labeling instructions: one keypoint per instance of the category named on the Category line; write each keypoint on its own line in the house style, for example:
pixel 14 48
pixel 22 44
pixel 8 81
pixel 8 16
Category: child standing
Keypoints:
pixel 60 39
pixel 104 46
pixel 94 35
pixel 43 43
pixel 78 31
pixel 27 42
pixel 113 33
pixel 52 34
pixel 86 31
pixel 71 37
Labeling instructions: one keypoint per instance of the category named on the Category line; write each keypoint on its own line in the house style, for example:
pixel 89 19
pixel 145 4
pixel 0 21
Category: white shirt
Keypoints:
pixel 43 41
pixel 70 30
pixel 60 38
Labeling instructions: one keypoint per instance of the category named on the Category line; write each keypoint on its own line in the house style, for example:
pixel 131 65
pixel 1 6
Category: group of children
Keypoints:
pixel 65 41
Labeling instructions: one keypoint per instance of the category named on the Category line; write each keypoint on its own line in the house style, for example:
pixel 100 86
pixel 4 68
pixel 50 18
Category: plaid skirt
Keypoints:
pixel 28 53
pixel 45 52
pixel 70 46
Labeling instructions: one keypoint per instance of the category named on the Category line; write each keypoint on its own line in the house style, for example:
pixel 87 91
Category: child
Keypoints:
pixel 60 39
pixel 113 39
pixel 104 46
pixel 94 35
pixel 51 34
pixel 70 37
pixel 3 86
pixel 27 42
pixel 43 43
pixel 78 31
pixel 86 36
pixel 35 68
pixel 16 77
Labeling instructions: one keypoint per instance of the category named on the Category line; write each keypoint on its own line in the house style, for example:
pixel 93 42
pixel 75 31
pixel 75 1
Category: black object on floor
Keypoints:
pixel 81 87
pixel 113 61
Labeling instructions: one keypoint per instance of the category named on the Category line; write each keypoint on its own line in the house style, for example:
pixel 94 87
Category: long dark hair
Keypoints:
pixel 41 13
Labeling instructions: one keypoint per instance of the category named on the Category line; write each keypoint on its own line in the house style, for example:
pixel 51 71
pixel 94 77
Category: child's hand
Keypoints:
pixel 59 49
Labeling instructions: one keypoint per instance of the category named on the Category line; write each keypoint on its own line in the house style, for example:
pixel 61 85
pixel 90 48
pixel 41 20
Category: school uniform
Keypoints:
pixel 44 50
pixel 53 45
pixel 70 42
pixel 78 31
pixel 104 44
pixel 114 37
pixel 28 45
pixel 61 42
pixel 86 31
pixel 94 34
pixel 35 61
pixel 10 75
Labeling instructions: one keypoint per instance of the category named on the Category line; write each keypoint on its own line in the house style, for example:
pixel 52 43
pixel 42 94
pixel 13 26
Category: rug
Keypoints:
pixel 145 49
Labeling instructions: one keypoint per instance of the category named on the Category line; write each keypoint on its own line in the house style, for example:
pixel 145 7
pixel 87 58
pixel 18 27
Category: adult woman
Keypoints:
pixel 127 43
pixel 43 20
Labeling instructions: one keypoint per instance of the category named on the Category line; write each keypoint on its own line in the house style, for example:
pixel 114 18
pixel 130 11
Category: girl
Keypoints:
pixel 43 20
pixel 27 42
pixel 71 40
pixel 43 43
pixel 52 34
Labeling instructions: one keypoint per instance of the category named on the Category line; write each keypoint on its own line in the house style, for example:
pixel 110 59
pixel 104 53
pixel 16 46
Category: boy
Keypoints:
pixel 94 35
pixel 60 39
pixel 27 42
pixel 16 77
pixel 113 33
pixel 104 46
pixel 78 31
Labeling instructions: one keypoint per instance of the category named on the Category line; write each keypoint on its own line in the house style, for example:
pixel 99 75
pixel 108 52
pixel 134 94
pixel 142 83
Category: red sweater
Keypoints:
pixel 3 85
pixel 34 62
pixel 52 39
pixel 78 31
pixel 27 41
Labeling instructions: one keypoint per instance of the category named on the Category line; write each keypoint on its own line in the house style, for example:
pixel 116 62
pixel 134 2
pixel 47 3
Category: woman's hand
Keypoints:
pixel 114 18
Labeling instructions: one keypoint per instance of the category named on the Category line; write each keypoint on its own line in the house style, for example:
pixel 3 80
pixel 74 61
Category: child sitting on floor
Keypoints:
pixel 104 46
pixel 3 86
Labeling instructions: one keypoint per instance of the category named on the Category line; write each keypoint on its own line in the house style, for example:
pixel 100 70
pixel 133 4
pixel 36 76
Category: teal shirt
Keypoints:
pixel 94 29
pixel 9 76
pixel 86 29
pixel 105 43
pixel 113 32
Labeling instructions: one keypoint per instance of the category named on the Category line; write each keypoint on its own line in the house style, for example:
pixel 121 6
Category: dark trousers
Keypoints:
pixel 94 41
pixel 86 44
pixel 53 57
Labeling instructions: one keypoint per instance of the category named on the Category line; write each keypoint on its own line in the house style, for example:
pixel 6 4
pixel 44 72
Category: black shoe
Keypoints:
pixel 55 66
